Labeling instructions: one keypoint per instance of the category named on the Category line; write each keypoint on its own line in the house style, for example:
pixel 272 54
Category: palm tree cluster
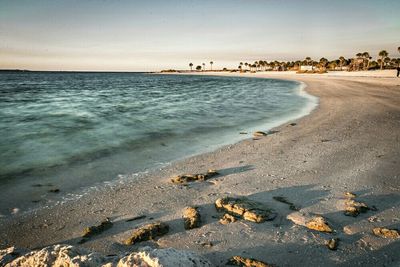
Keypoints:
pixel 361 61
pixel 201 67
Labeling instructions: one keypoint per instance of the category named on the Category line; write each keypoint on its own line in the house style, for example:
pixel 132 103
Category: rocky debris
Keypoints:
pixel 147 232
pixel 293 124
pixel 353 207
pixel 259 133
pixel 95 230
pixel 227 219
pixel 317 223
pixel 65 255
pixel 386 233
pixel 297 218
pixel 284 200
pixel 191 218
pixel 332 243
pixel 185 178
pixel 350 195
pixel 56 255
pixel 247 209
pixel 349 230
pixel 9 254
pixel 168 257
pixel 247 262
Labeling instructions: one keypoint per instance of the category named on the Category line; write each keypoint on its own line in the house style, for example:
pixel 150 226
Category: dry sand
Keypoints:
pixel 351 142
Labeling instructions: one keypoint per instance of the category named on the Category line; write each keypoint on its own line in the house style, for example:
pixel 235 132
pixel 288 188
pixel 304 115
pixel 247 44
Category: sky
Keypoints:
pixel 122 35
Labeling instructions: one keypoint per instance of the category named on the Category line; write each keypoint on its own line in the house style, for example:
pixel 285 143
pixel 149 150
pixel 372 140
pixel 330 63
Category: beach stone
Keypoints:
pixel 66 255
pixel 349 230
pixel 147 232
pixel 259 133
pixel 168 257
pixel 386 233
pixel 317 223
pixel 191 218
pixel 58 256
pixel 247 262
pixel 247 209
pixel 9 254
pixel 354 208
pixel 227 219
pixel 185 178
pixel 350 195
pixel 332 243
pixel 97 229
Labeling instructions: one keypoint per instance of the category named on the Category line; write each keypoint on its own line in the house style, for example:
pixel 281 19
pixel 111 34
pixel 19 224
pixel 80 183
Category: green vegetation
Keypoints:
pixel 361 61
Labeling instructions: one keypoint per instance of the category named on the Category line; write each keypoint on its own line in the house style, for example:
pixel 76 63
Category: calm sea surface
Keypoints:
pixel 71 131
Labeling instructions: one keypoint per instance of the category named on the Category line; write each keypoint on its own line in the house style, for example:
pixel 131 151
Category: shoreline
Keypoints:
pixel 360 145
pixel 226 137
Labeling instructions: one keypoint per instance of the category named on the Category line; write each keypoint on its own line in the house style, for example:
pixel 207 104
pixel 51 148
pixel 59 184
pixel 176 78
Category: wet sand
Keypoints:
pixel 351 142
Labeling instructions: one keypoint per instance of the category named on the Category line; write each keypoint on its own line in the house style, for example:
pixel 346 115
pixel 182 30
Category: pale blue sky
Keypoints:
pixel 151 35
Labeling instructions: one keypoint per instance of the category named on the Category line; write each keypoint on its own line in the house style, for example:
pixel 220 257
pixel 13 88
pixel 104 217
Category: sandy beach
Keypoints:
pixel 350 142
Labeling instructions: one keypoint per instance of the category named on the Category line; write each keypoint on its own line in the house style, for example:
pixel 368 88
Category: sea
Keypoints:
pixel 62 133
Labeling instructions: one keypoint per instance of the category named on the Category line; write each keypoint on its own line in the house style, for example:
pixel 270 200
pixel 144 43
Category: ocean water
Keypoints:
pixel 72 131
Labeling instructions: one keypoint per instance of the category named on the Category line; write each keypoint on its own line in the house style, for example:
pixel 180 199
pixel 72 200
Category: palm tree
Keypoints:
pixel 333 64
pixel 383 54
pixel 322 63
pixel 386 60
pixel 204 66
pixel 341 60
pixel 246 64
pixel 366 56
pixel 241 65
pixel 211 63
pixel 358 59
pixel 191 66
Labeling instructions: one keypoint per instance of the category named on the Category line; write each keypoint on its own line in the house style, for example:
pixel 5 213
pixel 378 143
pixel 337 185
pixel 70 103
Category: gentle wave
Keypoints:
pixel 76 130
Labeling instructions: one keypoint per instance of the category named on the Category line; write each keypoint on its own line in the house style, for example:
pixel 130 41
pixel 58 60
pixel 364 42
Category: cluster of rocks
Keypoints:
pixel 66 255
pixel 191 218
pixel 247 262
pixel 96 229
pixel 245 208
pixel 233 208
pixel 353 207
pixel 147 232
pixel 185 178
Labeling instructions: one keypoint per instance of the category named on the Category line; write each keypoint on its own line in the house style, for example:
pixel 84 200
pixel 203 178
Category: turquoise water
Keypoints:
pixel 74 130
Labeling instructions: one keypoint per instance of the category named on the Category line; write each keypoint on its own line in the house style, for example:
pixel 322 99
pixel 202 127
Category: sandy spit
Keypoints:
pixel 351 142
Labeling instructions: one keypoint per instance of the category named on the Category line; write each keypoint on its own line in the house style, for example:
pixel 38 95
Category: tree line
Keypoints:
pixel 361 61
